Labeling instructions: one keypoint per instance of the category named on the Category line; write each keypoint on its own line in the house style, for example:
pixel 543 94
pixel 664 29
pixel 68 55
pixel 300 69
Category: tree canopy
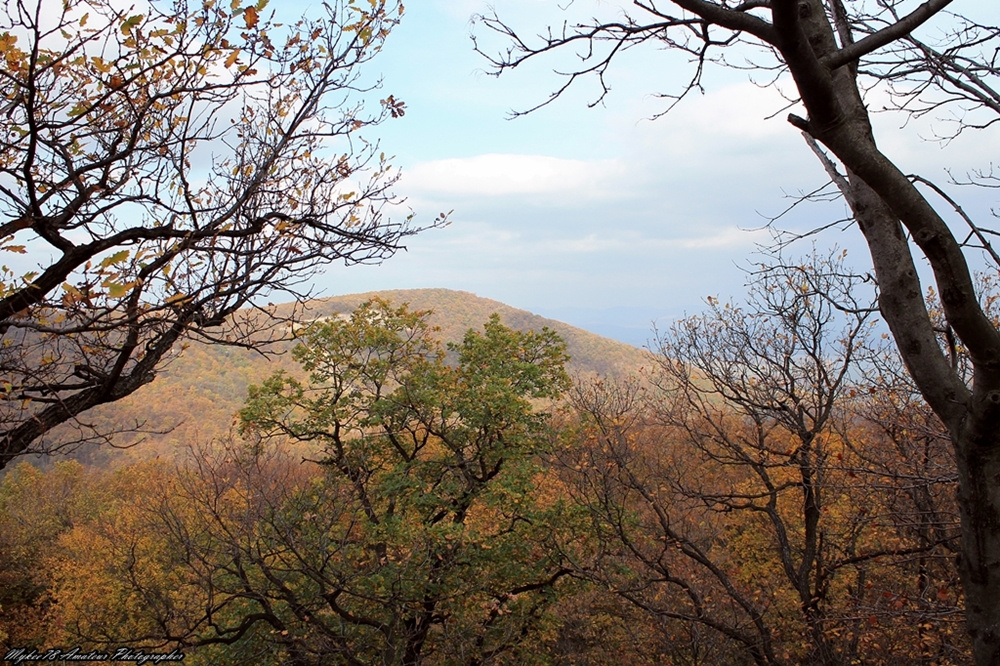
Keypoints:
pixel 425 527
pixel 770 490
pixel 161 170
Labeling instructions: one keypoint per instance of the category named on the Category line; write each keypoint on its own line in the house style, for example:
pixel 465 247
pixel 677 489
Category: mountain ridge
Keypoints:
pixel 195 396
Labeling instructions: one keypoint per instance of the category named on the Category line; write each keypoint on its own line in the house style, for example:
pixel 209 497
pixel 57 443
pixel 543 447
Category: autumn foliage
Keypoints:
pixel 164 167
pixel 402 501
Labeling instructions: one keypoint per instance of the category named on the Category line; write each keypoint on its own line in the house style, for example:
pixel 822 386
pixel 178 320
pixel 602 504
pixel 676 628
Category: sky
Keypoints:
pixel 599 217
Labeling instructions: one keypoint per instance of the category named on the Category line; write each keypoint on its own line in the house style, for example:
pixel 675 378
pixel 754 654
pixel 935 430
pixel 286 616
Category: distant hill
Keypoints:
pixel 195 397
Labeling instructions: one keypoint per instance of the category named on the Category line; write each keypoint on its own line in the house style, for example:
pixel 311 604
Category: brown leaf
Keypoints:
pixel 251 17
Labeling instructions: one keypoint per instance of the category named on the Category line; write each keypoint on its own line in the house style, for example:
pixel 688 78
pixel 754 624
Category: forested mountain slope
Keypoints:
pixel 194 398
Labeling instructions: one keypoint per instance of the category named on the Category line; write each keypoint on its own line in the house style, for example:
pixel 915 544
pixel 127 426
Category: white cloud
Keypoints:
pixel 481 242
pixel 741 111
pixel 728 128
pixel 727 237
pixel 636 243
pixel 504 174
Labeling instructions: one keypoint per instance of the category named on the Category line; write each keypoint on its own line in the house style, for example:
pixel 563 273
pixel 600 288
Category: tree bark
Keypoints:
pixel 885 202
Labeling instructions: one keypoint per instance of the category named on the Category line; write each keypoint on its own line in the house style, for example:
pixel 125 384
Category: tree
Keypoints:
pixel 163 170
pixel 734 498
pixel 36 508
pixel 780 367
pixel 833 50
pixel 425 530
pixel 898 454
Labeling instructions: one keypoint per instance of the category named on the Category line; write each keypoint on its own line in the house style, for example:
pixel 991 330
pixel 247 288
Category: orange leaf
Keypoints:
pixel 250 16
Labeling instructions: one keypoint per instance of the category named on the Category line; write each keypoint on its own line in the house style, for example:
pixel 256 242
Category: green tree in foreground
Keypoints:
pixel 424 534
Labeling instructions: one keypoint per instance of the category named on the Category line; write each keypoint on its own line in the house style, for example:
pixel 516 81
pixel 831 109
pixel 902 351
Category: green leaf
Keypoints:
pixel 117 290
pixel 116 258
pixel 130 23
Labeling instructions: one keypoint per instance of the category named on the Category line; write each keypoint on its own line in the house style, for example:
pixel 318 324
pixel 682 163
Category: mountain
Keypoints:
pixel 195 397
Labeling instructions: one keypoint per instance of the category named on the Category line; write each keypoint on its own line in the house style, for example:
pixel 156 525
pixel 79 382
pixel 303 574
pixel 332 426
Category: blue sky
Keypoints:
pixel 598 217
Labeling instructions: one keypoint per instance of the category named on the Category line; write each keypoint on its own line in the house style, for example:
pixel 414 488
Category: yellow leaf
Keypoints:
pixel 100 65
pixel 231 60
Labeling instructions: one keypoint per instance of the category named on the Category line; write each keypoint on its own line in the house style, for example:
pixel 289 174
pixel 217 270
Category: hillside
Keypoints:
pixel 195 397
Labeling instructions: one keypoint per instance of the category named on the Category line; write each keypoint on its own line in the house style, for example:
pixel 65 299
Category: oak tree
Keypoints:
pixel 163 167
pixel 422 529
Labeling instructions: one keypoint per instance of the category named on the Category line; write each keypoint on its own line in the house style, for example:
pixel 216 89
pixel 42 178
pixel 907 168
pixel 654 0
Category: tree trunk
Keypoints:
pixel 884 203
pixel 979 563
pixel 974 432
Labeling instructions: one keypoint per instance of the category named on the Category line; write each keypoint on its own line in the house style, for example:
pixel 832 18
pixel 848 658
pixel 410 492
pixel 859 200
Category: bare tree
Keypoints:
pixel 899 456
pixel 739 496
pixel 782 365
pixel 160 171
pixel 832 50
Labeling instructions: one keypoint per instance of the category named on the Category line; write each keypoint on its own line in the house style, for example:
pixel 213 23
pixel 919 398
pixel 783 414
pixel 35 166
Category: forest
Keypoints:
pixel 201 462
pixel 766 487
